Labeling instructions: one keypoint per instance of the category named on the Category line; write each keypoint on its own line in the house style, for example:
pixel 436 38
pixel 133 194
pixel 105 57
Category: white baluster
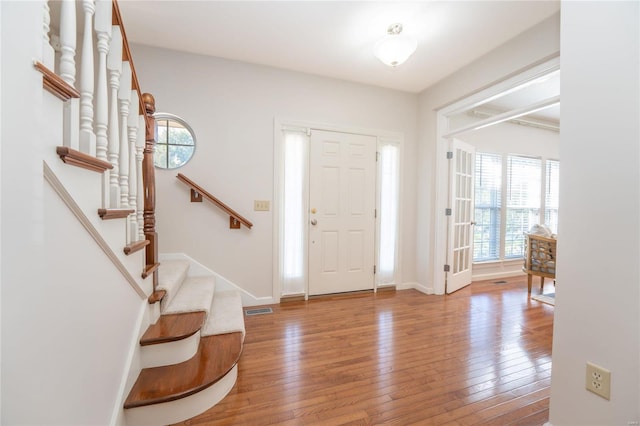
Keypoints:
pixel 124 95
pixel 68 41
pixel 140 142
pixel 87 136
pixel 103 31
pixel 48 54
pixel 68 29
pixel 132 125
pixel 114 65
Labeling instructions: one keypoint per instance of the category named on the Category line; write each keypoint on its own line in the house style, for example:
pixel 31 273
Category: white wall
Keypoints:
pixel 531 46
pixel 597 314
pixel 68 317
pixel 232 106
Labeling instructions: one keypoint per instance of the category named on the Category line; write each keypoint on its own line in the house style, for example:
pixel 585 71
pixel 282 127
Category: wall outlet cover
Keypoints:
pixel 598 380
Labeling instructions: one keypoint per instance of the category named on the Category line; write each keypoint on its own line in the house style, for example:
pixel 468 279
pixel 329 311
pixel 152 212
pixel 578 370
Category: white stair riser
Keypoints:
pixel 184 408
pixel 170 352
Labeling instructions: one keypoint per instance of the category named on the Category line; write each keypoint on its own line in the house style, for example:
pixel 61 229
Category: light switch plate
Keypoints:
pixel 261 205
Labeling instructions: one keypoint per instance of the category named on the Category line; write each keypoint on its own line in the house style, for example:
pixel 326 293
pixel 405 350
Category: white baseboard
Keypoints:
pixel 415 286
pixel 198 269
pixel 496 275
pixel 496 270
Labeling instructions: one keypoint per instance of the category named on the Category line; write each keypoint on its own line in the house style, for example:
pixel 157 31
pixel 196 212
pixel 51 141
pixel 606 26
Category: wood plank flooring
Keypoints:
pixel 479 356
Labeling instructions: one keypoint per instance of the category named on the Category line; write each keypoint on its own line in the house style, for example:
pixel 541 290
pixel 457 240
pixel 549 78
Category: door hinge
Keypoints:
pixel 375 213
pixel 374 269
pixel 449 155
pixel 447 268
pixel 447 212
pixel 377 156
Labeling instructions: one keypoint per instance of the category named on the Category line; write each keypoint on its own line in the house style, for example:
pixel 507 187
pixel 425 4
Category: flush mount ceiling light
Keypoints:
pixel 395 48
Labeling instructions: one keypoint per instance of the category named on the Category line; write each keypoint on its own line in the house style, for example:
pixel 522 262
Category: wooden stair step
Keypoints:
pixel 149 269
pixel 134 247
pixel 173 327
pixel 107 214
pixel 216 356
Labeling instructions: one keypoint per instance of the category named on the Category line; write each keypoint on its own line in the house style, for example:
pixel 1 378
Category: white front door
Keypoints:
pixel 342 184
pixel 461 191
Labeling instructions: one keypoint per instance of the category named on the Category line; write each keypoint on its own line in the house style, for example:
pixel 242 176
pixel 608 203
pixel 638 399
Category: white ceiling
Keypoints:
pixel 335 38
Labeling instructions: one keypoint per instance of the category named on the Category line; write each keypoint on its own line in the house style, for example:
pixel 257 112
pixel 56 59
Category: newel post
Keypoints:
pixel 149 189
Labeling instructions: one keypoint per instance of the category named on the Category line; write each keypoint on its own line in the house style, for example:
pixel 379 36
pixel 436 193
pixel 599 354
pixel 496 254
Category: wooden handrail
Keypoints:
pixel 197 188
pixel 126 56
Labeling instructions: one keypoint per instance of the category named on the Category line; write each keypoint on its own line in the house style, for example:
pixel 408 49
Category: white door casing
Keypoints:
pixel 342 194
pixel 461 202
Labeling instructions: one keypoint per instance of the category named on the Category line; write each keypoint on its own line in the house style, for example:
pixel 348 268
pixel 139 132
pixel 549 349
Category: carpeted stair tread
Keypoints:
pixel 226 315
pixel 173 327
pixel 195 294
pixel 216 356
pixel 170 277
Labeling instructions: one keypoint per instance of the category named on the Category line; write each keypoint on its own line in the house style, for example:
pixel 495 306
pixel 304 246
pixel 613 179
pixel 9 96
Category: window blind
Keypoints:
pixel 552 196
pixel 524 175
pixel 488 201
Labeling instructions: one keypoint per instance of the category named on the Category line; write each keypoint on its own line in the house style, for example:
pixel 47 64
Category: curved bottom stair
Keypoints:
pixel 173 393
pixel 190 354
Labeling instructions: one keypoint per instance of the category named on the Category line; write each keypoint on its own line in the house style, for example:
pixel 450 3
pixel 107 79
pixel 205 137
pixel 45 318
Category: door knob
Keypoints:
pixel 314 222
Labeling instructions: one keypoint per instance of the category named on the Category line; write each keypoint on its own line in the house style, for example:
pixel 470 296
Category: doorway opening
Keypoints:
pixel 530 98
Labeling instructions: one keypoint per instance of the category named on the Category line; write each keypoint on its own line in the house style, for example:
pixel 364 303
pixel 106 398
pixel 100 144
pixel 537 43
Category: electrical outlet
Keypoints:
pixel 261 205
pixel 598 380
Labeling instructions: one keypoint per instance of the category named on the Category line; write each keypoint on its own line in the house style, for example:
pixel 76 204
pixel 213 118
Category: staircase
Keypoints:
pixel 190 354
pixel 190 319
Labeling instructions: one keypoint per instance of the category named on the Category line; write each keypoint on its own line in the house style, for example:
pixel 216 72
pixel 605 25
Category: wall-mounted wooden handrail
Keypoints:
pixel 233 215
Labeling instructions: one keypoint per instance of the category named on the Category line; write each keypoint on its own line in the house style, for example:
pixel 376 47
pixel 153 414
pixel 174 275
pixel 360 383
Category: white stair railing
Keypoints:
pixel 103 32
pixel 87 135
pixel 67 68
pixel 105 122
pixel 124 96
pixel 67 64
pixel 132 126
pixel 114 65
pixel 48 53
pixel 140 143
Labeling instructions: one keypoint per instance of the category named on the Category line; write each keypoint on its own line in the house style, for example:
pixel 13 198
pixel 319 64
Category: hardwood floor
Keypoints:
pixel 479 356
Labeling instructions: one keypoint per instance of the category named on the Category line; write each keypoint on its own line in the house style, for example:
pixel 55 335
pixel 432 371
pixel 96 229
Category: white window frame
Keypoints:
pixel 382 137
pixel 503 202
pixel 165 116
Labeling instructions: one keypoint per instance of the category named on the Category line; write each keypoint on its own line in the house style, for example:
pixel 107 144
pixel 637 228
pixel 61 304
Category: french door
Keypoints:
pixel 461 202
